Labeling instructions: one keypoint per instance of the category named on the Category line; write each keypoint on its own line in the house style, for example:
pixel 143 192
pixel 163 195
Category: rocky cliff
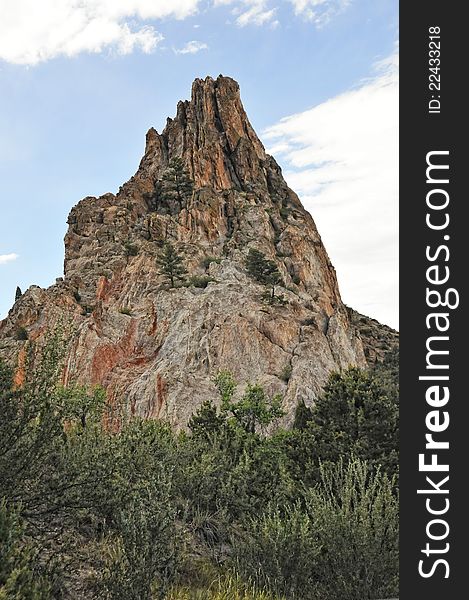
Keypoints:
pixel 155 348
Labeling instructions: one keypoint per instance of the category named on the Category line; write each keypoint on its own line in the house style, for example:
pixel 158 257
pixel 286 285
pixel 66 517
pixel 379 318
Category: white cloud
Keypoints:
pixel 33 31
pixel 320 12
pixel 342 158
pixel 251 12
pixel 6 258
pixel 191 47
pixel 256 14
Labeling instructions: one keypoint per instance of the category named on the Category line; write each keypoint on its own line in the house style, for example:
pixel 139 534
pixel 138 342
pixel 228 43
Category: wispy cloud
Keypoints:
pixel 251 12
pixel 319 12
pixel 264 12
pixel 191 47
pixel 257 13
pixel 32 32
pixel 341 156
pixel 6 258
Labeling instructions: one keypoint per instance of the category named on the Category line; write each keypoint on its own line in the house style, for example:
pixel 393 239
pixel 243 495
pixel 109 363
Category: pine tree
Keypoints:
pixel 18 293
pixel 354 416
pixel 303 415
pixel 175 182
pixel 263 270
pixel 170 264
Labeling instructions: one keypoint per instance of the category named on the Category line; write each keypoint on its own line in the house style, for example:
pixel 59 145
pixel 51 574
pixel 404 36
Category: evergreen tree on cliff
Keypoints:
pixel 175 182
pixel 263 270
pixel 170 264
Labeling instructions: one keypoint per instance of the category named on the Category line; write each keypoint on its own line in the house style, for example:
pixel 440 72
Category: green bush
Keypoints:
pixel 21 577
pixel 138 505
pixel 279 551
pixel 200 281
pixel 355 514
pixel 130 249
pixel 208 260
pixel 340 542
pixel 142 560
pixel 286 373
pixel 21 334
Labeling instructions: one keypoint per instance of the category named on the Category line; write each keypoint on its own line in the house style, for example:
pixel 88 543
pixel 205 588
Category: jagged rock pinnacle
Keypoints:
pixel 155 349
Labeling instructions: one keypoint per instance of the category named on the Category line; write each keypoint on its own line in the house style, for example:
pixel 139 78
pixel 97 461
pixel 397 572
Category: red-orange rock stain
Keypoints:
pixel 108 356
pixel 20 373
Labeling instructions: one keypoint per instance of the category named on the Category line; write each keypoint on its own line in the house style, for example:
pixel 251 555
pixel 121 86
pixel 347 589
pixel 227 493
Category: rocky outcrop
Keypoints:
pixel 156 349
pixel 378 340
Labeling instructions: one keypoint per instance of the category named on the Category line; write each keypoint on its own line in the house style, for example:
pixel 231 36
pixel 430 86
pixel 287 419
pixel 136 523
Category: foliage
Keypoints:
pixel 343 542
pixel 175 182
pixel 225 587
pixel 279 551
pixel 200 281
pixel 263 270
pixel 125 310
pixel 21 334
pixel 171 265
pixel 303 415
pixel 130 249
pixel 18 293
pixel 131 509
pixel 354 416
pixel 356 517
pixel 387 374
pixel 87 309
pixel 143 557
pixel 286 373
pixel 254 409
pixel 208 260
pixel 296 279
pixel 21 577
pixel 206 420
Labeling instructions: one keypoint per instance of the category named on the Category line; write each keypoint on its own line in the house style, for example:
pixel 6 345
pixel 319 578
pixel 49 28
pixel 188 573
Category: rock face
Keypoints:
pixel 378 340
pixel 155 349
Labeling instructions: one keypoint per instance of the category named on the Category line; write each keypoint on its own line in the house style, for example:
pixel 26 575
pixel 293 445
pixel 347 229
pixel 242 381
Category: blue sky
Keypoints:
pixel 81 82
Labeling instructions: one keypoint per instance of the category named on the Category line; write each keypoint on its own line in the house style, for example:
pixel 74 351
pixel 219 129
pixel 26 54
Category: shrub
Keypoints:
pixel 130 249
pixel 200 281
pixel 286 373
pixel 208 260
pixel 340 542
pixel 21 334
pixel 142 561
pixel 124 310
pixel 271 298
pixel 20 573
pixel 279 551
pixel 356 518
